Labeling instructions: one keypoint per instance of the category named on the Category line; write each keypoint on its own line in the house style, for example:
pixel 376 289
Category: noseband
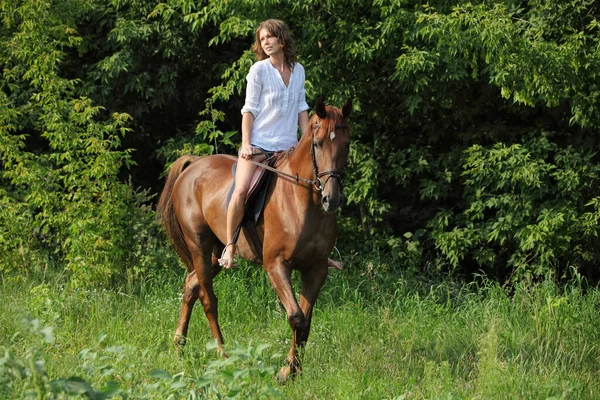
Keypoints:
pixel 338 174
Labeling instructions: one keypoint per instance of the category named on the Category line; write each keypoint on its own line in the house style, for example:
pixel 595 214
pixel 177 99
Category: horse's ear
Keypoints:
pixel 347 108
pixel 320 108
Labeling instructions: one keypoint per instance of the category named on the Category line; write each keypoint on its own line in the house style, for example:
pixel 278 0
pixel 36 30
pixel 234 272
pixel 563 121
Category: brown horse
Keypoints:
pixel 298 227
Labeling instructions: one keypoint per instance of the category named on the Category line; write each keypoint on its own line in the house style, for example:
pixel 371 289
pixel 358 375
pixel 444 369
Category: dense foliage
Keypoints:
pixel 475 125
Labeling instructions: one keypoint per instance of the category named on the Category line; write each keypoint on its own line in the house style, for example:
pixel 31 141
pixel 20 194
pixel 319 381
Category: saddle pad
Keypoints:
pixel 256 195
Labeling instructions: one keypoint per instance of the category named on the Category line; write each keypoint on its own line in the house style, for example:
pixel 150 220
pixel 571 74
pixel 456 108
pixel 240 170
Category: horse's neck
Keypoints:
pixel 299 163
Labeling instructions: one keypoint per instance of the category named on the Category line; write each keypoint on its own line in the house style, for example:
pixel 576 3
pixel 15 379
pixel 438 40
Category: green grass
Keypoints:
pixel 371 338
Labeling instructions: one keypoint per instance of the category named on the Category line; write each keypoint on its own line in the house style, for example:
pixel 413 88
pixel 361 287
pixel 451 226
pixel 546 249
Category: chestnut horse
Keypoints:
pixel 298 227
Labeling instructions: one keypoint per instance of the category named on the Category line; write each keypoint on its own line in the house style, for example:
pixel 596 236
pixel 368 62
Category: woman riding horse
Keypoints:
pixel 275 106
pixel 298 225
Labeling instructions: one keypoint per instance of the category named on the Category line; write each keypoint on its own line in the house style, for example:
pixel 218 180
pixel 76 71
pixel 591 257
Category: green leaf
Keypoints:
pixel 161 374
pixel 47 334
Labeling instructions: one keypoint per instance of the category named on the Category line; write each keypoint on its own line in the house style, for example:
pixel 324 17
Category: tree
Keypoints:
pixel 474 128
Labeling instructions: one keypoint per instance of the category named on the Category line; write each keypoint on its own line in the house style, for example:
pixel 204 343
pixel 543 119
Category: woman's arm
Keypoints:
pixel 246 151
pixel 303 121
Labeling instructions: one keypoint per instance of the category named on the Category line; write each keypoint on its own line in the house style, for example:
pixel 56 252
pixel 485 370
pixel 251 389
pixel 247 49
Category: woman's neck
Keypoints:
pixel 278 61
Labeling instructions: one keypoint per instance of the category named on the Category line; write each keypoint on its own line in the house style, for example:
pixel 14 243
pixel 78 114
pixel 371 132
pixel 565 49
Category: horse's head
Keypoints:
pixel 329 150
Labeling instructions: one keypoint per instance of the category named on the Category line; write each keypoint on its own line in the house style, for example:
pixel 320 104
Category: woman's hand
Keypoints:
pixel 246 151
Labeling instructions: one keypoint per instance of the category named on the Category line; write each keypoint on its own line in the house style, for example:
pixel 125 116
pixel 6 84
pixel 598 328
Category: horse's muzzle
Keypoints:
pixel 330 205
pixel 331 196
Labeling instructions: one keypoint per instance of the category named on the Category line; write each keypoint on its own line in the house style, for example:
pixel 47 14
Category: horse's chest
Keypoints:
pixel 298 234
pixel 315 240
pixel 310 230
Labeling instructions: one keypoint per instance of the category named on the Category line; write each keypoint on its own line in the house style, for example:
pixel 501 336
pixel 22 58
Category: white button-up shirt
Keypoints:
pixel 275 107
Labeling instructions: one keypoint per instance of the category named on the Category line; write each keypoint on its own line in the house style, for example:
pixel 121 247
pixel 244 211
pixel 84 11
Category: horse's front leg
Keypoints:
pixel 280 277
pixel 312 282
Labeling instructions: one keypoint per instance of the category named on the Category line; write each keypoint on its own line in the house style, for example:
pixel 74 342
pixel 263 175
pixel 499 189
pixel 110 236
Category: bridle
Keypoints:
pixel 318 184
pixel 336 173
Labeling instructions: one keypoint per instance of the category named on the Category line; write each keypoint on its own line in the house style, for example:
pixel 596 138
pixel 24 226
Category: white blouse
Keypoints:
pixel 275 107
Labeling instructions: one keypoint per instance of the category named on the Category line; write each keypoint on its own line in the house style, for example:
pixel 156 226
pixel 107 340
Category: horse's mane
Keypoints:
pixel 282 156
pixel 333 115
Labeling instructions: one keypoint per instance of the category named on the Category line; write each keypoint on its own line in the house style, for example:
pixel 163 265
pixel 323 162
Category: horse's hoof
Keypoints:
pixel 179 342
pixel 284 375
pixel 221 353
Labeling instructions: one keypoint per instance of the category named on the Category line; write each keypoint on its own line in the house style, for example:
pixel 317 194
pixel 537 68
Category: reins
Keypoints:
pixel 277 171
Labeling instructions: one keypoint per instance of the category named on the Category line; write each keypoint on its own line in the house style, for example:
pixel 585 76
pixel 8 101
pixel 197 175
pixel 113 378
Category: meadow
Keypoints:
pixel 373 337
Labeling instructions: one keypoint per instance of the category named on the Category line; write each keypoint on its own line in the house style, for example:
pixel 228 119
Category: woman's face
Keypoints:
pixel 269 43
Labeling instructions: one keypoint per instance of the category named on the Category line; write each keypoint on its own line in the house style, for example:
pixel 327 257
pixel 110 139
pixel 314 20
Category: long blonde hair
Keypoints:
pixel 280 30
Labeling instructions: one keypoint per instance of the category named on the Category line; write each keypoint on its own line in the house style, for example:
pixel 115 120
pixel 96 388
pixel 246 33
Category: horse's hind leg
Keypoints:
pixel 191 293
pixel 204 260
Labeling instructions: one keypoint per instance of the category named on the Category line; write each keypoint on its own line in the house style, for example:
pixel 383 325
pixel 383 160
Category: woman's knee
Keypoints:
pixel 239 192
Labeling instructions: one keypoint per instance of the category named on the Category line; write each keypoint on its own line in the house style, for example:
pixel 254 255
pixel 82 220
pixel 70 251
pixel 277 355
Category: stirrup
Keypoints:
pixel 222 261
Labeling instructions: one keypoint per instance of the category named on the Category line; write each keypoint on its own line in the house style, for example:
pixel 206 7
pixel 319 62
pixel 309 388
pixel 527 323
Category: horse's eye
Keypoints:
pixel 318 143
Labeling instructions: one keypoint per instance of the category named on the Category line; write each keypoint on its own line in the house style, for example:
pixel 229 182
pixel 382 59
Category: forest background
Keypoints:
pixel 475 127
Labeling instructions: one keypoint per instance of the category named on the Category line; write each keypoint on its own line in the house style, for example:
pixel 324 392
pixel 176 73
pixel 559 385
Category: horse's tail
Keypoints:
pixel 166 213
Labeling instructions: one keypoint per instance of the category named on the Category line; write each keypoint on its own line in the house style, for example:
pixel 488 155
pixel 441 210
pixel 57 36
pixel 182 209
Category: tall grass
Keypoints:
pixel 372 337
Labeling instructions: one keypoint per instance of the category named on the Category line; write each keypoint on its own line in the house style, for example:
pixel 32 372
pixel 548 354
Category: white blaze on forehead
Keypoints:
pixel 332 135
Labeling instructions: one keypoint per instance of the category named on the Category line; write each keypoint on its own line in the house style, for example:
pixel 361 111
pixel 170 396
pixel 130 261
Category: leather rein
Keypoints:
pixel 317 183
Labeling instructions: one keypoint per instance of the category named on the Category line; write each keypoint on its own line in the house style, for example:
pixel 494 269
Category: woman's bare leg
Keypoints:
pixel 235 212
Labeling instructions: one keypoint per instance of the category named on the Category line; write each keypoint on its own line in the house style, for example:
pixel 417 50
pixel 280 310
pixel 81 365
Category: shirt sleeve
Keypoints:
pixel 253 90
pixel 302 105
